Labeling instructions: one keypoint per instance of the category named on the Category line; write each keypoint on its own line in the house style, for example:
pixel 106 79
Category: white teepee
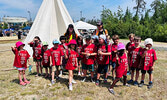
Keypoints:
pixel 50 23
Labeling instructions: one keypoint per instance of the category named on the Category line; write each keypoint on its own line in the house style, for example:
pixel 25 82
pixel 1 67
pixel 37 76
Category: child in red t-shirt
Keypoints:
pixel 108 40
pixel 37 46
pixel 147 62
pixel 56 55
pixel 88 51
pixel 135 57
pixel 115 39
pixel 128 47
pixel 63 46
pixel 79 48
pixel 45 53
pixel 20 61
pixel 72 62
pixel 104 51
pixel 121 66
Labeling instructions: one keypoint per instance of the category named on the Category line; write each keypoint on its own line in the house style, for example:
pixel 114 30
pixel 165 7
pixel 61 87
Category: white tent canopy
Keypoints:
pixel 84 25
pixel 51 22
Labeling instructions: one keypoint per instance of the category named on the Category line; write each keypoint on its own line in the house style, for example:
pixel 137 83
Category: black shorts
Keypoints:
pixel 133 68
pixel 37 60
pixel 47 67
pixel 102 67
pixel 144 71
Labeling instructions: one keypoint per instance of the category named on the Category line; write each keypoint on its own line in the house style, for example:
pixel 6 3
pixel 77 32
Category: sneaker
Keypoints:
pixel 128 73
pixel 36 75
pixel 150 86
pixel 52 82
pixel 105 80
pixel 127 85
pixel 27 82
pixel 141 84
pixel 57 78
pixel 73 81
pixel 92 80
pixel 97 82
pixel 22 83
pixel 70 87
pixel 42 74
pixel 111 91
pixel 130 82
pixel 84 79
pixel 61 73
pixel 79 73
pixel 135 83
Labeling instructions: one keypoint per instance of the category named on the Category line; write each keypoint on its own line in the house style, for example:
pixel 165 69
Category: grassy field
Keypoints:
pixel 40 88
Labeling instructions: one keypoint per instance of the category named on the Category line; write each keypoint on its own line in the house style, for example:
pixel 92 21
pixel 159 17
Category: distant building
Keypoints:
pixel 14 22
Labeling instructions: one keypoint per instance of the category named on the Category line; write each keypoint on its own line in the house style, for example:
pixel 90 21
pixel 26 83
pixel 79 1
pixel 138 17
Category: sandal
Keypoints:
pixel 27 82
pixel 22 83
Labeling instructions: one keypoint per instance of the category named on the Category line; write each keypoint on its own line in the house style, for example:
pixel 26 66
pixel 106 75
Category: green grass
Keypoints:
pixel 39 88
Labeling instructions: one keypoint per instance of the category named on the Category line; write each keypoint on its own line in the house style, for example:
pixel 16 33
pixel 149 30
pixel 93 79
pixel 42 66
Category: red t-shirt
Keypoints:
pixel 36 50
pixel 72 60
pixel 62 47
pixel 135 56
pixel 21 58
pixel 79 48
pixel 46 58
pixel 101 58
pixel 129 46
pixel 88 49
pixel 121 69
pixel 56 56
pixel 113 55
pixel 149 59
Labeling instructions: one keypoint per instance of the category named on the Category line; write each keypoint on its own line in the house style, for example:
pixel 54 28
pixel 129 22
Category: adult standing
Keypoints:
pixel 19 35
pixel 100 29
pixel 70 33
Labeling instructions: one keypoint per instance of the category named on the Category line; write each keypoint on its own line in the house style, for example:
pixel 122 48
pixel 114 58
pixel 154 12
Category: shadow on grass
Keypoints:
pixel 63 81
pixel 17 81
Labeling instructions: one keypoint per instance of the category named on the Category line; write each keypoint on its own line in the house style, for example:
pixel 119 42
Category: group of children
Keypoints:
pixel 97 55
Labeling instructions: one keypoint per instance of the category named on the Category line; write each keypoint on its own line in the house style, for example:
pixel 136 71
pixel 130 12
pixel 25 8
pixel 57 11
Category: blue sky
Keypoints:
pixel 90 8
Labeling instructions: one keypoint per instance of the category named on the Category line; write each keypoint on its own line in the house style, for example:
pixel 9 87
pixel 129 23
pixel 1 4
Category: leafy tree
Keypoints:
pixel 140 6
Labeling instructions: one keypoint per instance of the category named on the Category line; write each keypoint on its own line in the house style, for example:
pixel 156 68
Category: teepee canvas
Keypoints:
pixel 51 22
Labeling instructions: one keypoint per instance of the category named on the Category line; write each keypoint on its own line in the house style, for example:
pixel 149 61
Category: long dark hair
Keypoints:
pixel 37 37
pixel 68 33
pixel 79 38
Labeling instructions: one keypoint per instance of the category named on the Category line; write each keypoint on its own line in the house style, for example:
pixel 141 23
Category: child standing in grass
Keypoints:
pixel 56 55
pixel 88 51
pixel 79 48
pixel 72 62
pixel 121 67
pixel 128 47
pixel 148 59
pixel 115 39
pixel 104 51
pixel 63 45
pixel 135 57
pixel 37 46
pixel 20 61
pixel 46 59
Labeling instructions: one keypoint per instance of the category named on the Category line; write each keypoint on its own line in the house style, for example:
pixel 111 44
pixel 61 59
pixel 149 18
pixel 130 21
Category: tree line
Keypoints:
pixel 144 23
